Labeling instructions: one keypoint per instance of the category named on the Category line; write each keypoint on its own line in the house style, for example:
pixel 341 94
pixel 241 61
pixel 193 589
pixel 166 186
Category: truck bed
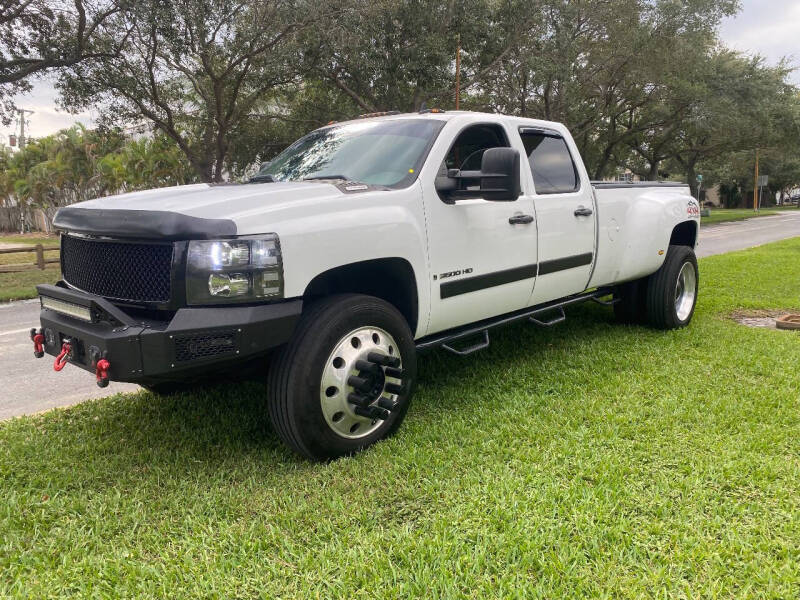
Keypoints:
pixel 607 185
pixel 633 226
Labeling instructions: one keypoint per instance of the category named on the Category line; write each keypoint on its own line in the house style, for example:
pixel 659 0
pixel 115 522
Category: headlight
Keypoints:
pixel 240 270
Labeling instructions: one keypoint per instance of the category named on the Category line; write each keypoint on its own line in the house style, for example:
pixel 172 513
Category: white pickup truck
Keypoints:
pixel 360 244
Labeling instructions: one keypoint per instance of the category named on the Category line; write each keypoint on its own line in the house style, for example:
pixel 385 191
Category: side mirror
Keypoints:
pixel 500 175
pixel 498 179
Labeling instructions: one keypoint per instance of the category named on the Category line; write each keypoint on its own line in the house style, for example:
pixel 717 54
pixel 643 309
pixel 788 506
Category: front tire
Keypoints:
pixel 310 381
pixel 672 290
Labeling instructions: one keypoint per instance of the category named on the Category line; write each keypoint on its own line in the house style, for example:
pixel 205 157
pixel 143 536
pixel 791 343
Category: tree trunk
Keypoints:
pixel 652 172
pixel 691 176
pixel 605 158
pixel 204 168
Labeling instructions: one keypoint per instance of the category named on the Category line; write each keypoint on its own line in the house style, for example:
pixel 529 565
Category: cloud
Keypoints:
pixel 46 118
pixel 768 28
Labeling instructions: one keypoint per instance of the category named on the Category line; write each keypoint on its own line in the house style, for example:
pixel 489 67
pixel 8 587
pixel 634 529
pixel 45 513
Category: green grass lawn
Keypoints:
pixel 587 460
pixel 722 215
pixel 21 285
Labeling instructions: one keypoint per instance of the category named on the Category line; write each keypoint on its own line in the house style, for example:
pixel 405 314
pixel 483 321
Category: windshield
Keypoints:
pixel 385 153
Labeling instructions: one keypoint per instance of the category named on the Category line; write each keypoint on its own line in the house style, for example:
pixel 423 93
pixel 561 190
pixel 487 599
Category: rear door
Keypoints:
pixel 565 213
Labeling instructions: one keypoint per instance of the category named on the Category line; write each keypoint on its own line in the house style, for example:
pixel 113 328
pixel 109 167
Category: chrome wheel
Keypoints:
pixel 685 291
pixel 356 393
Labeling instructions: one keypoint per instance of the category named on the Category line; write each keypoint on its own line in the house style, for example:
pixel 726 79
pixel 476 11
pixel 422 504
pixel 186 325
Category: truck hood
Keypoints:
pixel 190 211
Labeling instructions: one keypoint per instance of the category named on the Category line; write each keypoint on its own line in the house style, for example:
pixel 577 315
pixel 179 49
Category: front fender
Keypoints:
pixel 355 228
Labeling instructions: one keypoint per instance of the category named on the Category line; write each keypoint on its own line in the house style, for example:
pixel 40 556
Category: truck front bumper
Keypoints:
pixel 143 350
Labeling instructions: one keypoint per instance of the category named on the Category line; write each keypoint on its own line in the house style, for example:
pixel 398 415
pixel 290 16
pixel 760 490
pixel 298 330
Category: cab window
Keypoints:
pixel 467 151
pixel 551 164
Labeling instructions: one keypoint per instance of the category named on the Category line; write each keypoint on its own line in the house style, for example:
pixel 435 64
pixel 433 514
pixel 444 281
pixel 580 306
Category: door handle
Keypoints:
pixel 582 211
pixel 520 220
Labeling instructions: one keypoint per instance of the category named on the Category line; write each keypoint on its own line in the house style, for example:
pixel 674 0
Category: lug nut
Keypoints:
pixel 383 359
pixel 372 412
pixel 363 365
pixel 393 388
pixel 359 383
pixel 357 399
pixel 387 404
pixel 394 372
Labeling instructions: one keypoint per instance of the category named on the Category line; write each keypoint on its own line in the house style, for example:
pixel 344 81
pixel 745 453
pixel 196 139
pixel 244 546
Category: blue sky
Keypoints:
pixel 767 27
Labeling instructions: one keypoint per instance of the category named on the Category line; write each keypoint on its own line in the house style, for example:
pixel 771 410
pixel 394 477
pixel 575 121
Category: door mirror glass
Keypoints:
pixel 500 175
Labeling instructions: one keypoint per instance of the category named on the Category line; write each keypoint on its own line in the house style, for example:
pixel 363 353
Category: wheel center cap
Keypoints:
pixel 377 380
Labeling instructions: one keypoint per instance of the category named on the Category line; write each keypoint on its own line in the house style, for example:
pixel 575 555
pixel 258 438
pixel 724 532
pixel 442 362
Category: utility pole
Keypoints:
pixel 22 112
pixel 755 186
pixel 458 69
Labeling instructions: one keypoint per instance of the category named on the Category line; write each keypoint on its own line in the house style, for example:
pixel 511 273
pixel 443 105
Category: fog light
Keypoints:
pixel 225 284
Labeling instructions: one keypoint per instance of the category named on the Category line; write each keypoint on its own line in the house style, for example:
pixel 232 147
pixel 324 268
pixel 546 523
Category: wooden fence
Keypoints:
pixel 40 263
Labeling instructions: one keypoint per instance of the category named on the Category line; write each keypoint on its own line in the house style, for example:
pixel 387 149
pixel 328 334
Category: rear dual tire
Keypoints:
pixel 667 298
pixel 308 386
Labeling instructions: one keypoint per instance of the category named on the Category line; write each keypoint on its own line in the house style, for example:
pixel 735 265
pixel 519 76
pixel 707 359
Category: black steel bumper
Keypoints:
pixel 143 350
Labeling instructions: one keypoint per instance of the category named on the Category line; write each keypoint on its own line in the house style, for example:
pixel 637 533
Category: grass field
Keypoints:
pixel 722 215
pixel 21 285
pixel 588 460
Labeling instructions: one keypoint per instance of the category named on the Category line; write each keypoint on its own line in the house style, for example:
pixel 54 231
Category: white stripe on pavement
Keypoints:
pixel 15 331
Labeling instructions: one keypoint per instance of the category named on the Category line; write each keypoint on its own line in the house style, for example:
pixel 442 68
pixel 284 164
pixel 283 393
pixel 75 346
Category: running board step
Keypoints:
pixel 446 339
pixel 559 318
pixel 481 345
pixel 614 300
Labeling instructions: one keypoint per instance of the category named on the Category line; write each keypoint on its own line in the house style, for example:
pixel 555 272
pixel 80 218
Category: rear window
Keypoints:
pixel 551 164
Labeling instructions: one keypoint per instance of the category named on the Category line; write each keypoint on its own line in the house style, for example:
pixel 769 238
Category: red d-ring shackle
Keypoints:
pixel 62 357
pixel 38 343
pixel 101 372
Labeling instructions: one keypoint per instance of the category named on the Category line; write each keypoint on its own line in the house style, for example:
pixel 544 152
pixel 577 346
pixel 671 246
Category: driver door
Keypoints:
pixel 482 254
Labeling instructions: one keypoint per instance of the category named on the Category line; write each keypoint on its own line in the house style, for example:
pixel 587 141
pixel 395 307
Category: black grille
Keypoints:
pixel 203 345
pixel 119 270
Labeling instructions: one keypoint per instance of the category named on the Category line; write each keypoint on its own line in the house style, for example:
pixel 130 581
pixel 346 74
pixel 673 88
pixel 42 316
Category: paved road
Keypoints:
pixel 736 235
pixel 30 386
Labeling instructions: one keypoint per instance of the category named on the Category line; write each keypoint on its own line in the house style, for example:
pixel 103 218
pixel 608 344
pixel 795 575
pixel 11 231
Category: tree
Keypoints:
pixel 398 55
pixel 743 105
pixel 199 70
pixel 41 35
pixel 602 68
pixel 78 164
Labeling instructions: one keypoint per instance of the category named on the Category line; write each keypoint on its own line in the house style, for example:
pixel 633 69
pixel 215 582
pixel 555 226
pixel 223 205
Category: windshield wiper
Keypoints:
pixel 342 177
pixel 266 178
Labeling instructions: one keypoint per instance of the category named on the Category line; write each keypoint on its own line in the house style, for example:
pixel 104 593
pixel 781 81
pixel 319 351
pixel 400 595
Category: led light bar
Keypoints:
pixel 66 308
